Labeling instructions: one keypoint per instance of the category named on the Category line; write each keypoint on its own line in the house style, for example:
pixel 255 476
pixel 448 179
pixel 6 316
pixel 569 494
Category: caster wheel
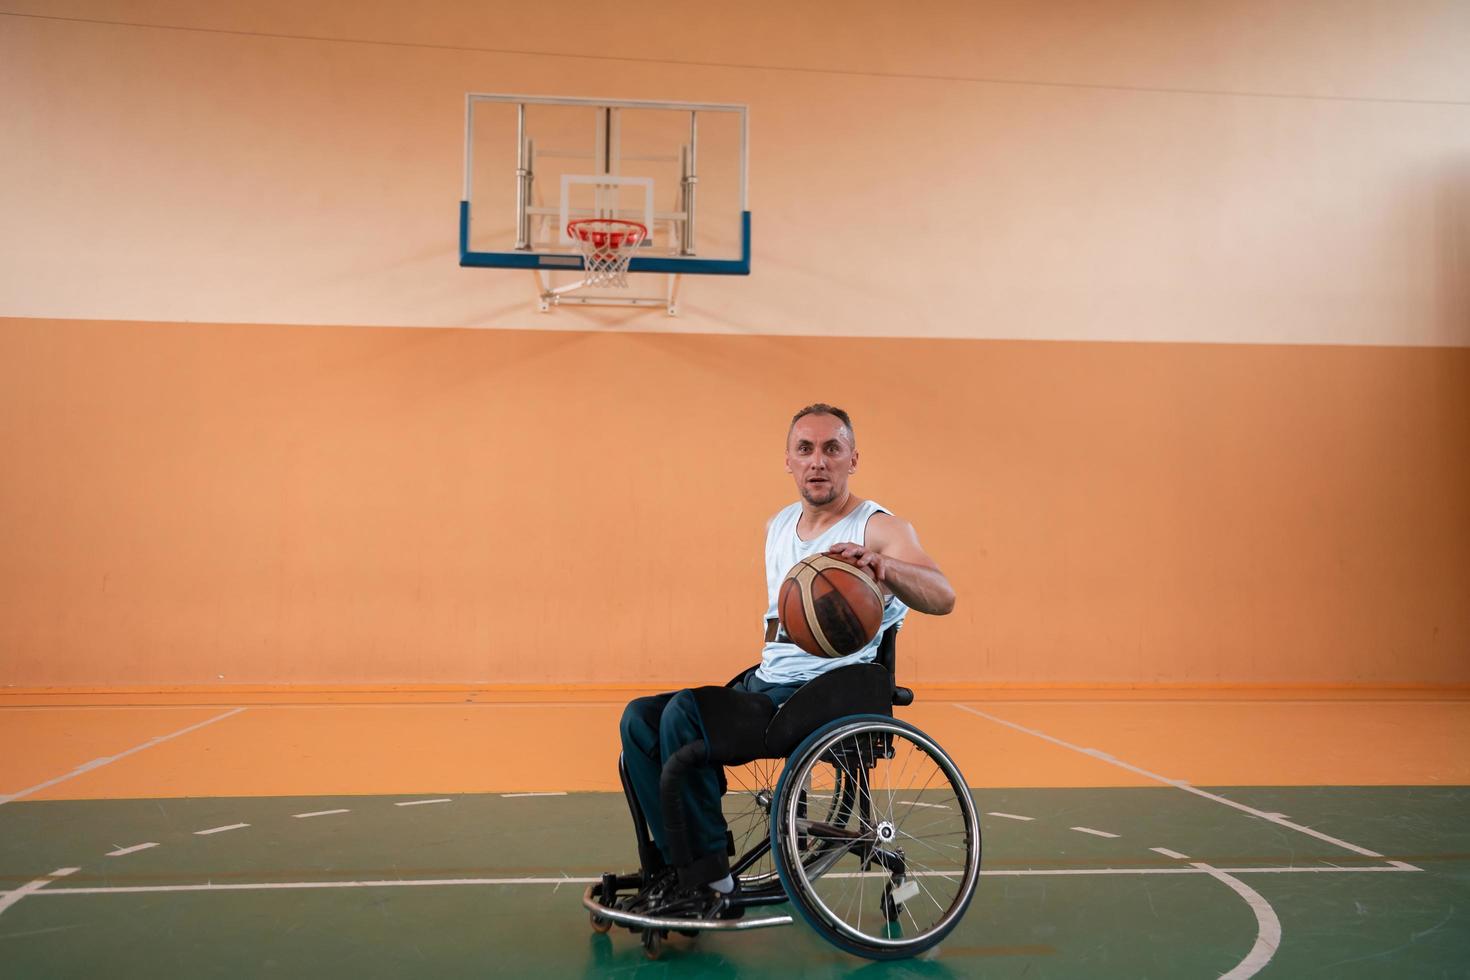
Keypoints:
pixel 599 924
pixel 653 943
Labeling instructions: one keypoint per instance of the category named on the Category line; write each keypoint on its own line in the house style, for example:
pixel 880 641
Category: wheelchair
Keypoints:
pixel 858 820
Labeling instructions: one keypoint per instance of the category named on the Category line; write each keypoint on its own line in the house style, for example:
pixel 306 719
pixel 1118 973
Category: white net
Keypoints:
pixel 607 246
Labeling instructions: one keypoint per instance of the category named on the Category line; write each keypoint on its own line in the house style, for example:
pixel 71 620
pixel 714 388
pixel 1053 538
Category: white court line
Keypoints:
pixel 9 898
pixel 426 802
pixel 931 806
pixel 1085 872
pixel 1095 833
pixel 1268 926
pixel 1170 854
pixel 97 763
pixel 568 880
pixel 1008 816
pixel 318 813
pixel 273 706
pixel 511 796
pixel 129 850
pixel 220 830
pixel 1179 783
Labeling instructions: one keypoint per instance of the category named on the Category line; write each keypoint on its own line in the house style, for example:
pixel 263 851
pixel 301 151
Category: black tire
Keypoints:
pixel 912 798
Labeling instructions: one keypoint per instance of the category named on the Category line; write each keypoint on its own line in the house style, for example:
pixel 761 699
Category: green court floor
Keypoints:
pixel 486 885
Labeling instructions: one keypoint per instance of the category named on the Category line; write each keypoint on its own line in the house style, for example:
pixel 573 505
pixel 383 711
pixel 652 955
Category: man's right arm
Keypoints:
pixel 896 559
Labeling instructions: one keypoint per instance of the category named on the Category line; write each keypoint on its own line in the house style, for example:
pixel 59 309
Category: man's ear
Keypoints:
pixel 854 461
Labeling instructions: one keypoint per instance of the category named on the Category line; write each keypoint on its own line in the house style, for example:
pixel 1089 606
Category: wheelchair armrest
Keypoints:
pixel 903 697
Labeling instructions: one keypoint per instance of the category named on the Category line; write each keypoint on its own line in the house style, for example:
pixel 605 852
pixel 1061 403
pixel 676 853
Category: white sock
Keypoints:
pixel 724 886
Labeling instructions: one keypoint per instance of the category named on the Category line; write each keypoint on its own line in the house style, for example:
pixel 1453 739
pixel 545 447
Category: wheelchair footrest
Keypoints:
pixel 591 899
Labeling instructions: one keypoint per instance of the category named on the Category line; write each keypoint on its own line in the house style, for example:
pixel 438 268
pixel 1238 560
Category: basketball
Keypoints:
pixel 828 607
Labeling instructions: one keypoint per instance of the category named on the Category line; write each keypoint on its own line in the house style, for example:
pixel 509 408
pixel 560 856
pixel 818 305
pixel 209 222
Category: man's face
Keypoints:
pixel 820 455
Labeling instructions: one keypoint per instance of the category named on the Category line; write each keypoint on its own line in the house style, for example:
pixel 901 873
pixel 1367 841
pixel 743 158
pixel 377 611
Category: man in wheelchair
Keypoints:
pixel 675 745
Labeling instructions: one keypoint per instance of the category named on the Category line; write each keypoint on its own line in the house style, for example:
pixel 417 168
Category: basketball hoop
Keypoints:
pixel 607 246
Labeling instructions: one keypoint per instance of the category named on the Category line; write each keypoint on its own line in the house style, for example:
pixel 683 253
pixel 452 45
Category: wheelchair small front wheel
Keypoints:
pixel 890 874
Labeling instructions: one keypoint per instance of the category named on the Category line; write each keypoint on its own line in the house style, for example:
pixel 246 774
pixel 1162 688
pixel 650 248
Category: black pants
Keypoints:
pixel 654 728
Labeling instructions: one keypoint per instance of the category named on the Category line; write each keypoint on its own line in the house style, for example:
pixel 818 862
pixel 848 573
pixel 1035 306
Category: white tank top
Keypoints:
pixel 783 662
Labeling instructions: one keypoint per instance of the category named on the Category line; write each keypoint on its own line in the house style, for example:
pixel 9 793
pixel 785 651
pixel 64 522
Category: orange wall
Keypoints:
pixel 1166 352
pixel 187 503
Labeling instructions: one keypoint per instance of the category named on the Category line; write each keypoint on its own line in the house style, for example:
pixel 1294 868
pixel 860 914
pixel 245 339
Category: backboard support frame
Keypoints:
pixel 684 259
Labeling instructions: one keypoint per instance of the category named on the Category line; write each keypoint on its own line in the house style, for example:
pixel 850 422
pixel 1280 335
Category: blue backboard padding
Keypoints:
pixel 569 261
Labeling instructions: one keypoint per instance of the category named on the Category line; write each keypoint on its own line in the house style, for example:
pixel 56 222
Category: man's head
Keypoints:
pixel 821 453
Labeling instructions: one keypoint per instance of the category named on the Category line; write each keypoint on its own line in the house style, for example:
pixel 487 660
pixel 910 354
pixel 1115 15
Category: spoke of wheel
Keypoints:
pixel 853 897
pixel 749 820
pixel 925 841
pixel 745 822
pixel 888 770
pixel 759 776
pixel 943 822
pixel 897 781
pixel 925 787
pixel 821 864
pixel 925 888
pixel 932 873
pixel 948 818
pixel 947 855
pixel 948 858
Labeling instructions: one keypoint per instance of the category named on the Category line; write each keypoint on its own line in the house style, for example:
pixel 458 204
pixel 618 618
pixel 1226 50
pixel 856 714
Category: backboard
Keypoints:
pixel 535 163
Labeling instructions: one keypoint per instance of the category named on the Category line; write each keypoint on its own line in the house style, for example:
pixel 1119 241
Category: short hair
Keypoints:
pixel 822 408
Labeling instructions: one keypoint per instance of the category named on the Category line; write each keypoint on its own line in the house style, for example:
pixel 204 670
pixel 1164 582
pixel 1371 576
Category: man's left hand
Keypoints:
pixel 870 561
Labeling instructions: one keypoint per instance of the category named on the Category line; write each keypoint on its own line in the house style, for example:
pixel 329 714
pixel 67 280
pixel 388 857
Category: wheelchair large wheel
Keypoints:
pixel 890 875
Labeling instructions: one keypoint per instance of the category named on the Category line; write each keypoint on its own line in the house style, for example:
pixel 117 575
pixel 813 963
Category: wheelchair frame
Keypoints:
pixel 856 736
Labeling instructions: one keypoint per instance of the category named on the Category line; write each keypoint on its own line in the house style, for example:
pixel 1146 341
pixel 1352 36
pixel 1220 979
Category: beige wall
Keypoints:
pixel 1258 172
pixel 1169 366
